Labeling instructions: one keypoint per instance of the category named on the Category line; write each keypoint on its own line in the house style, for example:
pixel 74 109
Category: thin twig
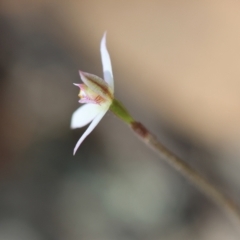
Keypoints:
pixel 192 175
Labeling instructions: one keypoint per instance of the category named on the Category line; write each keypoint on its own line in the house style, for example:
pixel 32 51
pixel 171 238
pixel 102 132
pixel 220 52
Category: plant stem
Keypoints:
pixel 186 170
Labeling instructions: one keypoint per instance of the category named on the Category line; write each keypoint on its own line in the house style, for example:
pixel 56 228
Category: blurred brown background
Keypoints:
pixel 176 68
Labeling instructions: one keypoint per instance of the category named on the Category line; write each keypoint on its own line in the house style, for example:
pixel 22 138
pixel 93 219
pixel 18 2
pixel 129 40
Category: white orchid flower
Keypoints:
pixel 96 93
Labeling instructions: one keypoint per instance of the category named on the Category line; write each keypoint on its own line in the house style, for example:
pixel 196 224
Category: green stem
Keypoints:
pixel 120 111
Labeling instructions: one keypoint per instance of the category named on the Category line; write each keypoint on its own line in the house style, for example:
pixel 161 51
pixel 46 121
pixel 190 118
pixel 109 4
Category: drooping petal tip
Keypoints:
pixel 90 128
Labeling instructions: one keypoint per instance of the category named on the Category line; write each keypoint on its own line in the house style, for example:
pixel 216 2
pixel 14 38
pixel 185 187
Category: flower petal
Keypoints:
pixel 106 62
pixel 96 84
pixel 94 123
pixel 84 115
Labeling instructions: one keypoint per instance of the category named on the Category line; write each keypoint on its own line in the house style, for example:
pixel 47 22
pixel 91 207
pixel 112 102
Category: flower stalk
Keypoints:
pixel 225 203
